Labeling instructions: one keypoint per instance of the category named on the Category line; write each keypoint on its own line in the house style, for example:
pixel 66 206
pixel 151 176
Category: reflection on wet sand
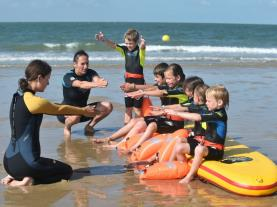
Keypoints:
pixel 44 195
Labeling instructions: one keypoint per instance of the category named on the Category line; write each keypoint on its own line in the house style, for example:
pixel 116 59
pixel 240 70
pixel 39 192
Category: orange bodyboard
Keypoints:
pixel 166 171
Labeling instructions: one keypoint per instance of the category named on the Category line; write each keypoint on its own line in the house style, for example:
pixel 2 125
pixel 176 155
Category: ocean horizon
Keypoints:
pixel 190 43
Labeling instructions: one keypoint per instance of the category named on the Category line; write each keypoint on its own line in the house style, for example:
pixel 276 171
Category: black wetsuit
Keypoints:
pixel 134 63
pixel 22 157
pixel 169 124
pixel 75 96
pixel 213 127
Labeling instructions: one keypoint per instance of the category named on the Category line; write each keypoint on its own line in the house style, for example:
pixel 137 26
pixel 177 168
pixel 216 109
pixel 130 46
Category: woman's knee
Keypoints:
pixel 72 120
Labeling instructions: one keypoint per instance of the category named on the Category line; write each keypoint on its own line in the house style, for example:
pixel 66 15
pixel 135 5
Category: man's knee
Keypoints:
pixel 72 120
pixel 108 106
pixel 105 107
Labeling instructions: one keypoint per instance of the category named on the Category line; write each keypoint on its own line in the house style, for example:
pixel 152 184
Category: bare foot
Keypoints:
pixel 25 182
pixel 89 131
pixel 186 180
pixel 6 180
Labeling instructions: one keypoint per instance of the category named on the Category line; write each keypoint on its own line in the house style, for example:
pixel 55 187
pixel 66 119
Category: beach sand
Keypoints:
pixel 100 178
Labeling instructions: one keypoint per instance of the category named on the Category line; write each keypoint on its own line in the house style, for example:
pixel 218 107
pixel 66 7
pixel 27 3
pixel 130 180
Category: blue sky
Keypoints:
pixel 206 11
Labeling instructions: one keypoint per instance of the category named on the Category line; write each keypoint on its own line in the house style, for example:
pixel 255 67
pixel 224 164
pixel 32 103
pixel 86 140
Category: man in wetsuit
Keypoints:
pixel 76 89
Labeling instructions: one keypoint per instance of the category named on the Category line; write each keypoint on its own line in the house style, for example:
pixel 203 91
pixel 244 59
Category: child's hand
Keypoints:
pixel 100 36
pixel 170 112
pixel 156 108
pixel 127 87
pixel 142 42
pixel 135 94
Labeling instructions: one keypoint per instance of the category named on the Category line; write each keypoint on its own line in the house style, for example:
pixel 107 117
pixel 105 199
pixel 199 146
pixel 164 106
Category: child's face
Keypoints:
pixel 159 79
pixel 131 45
pixel 196 99
pixel 170 79
pixel 189 93
pixel 212 103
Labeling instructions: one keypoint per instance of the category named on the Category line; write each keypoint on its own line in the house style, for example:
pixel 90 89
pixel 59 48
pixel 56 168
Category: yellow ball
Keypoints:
pixel 166 38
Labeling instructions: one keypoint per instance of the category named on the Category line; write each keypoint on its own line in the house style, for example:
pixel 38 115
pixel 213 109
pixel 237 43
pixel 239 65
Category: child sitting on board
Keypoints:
pixel 211 145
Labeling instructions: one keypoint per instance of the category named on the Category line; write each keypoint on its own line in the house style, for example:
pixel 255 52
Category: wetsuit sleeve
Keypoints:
pixel 186 104
pixel 213 116
pixel 38 105
pixel 192 108
pixel 120 49
pixel 68 79
pixel 177 93
pixel 142 57
pixel 92 74
pixel 162 87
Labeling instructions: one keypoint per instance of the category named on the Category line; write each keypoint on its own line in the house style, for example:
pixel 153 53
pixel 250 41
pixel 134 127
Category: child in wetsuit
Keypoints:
pixel 172 93
pixel 124 131
pixel 210 145
pixel 134 54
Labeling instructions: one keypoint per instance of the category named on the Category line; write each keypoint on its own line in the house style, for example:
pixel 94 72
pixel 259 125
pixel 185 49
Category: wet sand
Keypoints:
pixel 100 178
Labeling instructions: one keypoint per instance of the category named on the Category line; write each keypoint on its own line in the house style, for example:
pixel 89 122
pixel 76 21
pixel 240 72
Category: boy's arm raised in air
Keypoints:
pixel 100 37
pixel 142 43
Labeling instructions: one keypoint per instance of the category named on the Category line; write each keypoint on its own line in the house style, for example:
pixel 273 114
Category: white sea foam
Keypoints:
pixel 181 48
pixel 213 49
pixel 58 45
pixel 68 58
pixel 51 45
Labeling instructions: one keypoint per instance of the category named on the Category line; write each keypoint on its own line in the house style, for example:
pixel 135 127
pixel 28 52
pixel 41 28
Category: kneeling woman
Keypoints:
pixel 22 159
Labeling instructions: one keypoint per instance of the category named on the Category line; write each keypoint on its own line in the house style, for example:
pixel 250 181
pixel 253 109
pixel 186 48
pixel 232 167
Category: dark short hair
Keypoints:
pixel 78 54
pixel 177 71
pixel 159 69
pixel 191 82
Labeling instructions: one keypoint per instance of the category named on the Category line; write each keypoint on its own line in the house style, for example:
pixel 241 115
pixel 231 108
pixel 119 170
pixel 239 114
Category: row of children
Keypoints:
pixel 182 99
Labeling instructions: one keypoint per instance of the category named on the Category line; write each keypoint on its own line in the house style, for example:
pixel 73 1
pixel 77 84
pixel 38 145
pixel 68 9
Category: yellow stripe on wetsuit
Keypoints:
pixel 181 97
pixel 38 105
pixel 141 54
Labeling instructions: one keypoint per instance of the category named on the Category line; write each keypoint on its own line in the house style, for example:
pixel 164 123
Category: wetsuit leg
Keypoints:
pixel 164 124
pixel 43 171
pixel 50 171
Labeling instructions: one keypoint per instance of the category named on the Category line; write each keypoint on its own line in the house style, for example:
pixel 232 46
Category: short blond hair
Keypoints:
pixel 219 92
pixel 132 35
